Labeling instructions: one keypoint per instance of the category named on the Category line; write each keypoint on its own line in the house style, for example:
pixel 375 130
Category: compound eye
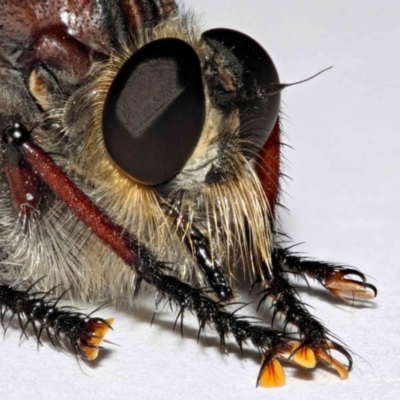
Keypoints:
pixel 154 111
pixel 252 78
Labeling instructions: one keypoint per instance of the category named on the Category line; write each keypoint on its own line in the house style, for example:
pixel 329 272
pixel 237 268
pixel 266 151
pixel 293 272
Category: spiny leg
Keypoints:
pixel 315 339
pixel 332 277
pixel 270 343
pixel 41 311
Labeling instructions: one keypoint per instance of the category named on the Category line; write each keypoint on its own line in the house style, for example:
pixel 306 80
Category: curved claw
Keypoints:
pixel 299 352
pixel 324 354
pixel 340 349
pixel 350 289
pixel 306 356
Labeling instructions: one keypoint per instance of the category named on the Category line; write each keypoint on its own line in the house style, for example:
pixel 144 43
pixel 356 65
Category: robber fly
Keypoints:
pixel 138 151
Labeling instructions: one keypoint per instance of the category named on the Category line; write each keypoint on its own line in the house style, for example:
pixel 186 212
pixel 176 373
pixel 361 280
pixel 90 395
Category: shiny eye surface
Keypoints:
pixel 242 75
pixel 154 111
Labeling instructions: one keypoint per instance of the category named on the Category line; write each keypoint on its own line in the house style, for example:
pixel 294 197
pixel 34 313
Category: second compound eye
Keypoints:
pixel 241 75
pixel 154 111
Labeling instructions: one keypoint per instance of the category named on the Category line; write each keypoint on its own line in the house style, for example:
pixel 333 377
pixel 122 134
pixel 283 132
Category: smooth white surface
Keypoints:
pixel 343 200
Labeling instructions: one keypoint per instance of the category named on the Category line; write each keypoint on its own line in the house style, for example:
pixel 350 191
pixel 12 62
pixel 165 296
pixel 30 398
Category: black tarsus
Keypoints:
pixel 269 342
pixel 314 269
pixel 285 300
pixel 41 311
pixel 208 311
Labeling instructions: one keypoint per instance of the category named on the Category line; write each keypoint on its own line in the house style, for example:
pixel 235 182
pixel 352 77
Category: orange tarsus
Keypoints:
pixel 272 374
pixel 91 339
pixel 303 355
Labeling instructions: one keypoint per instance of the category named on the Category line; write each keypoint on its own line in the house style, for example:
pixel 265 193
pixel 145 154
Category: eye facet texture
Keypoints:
pixel 154 111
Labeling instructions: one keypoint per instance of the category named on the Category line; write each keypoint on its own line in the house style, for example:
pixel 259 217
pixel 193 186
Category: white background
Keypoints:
pixel 343 199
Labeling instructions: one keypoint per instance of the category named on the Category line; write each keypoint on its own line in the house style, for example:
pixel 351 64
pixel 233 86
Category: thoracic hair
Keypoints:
pixel 218 192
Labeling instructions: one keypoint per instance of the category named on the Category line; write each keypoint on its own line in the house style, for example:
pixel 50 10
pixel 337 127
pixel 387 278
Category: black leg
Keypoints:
pixel 332 277
pixel 315 339
pixel 41 311
pixel 270 343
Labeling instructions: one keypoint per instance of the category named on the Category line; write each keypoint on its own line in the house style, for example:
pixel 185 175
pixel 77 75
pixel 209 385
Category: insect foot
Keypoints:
pixel 61 324
pixel 147 153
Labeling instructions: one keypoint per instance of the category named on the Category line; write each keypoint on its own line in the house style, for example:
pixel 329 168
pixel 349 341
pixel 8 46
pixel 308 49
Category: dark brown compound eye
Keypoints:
pixel 154 111
pixel 241 75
